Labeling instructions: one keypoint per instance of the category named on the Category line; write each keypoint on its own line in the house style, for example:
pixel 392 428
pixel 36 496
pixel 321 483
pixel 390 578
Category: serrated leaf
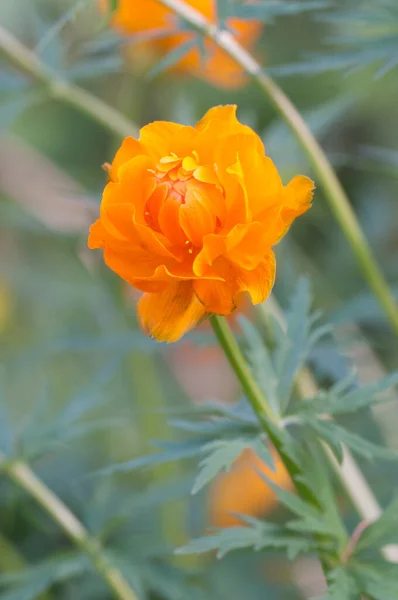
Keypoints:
pixel 343 585
pixel 335 435
pixel 260 362
pixel 338 402
pixel 377 579
pixel 221 455
pixel 311 519
pixel 258 536
pixel 28 584
pixel 382 532
pixel 172 451
pixel 41 435
pixel 292 352
pixel 316 478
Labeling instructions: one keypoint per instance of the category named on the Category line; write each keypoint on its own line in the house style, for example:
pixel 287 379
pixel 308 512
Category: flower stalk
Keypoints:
pixel 334 192
pixel 268 421
pixel 19 472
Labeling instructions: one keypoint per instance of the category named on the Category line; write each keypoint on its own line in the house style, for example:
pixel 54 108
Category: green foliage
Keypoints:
pixel 267 10
pixel 255 534
pixel 339 400
pixel 382 532
pixel 276 371
pixel 365 36
pixel 29 583
pixel 71 327
pixel 343 586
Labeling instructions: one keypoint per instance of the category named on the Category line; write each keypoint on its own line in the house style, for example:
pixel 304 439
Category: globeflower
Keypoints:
pixel 190 215
pixel 157 27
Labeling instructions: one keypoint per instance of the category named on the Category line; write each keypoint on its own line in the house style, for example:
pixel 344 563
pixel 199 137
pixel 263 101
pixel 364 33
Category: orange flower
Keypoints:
pixel 242 490
pixel 190 215
pixel 143 17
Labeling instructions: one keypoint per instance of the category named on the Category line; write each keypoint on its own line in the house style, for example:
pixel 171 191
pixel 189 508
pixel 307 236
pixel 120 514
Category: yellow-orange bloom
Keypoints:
pixel 243 491
pixel 189 217
pixel 142 17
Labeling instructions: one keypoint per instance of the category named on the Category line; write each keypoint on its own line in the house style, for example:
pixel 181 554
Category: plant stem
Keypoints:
pixel 259 403
pixel 60 89
pixel 256 398
pixel 24 477
pixel 334 192
pixel 349 473
pixel 242 371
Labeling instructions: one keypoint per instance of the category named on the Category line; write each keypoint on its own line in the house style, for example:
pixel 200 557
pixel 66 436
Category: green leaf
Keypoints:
pixel 260 362
pixel 28 584
pixel 316 477
pixel 41 435
pixel 339 401
pixel 343 585
pixel 382 532
pixel 258 536
pixel 377 579
pixel 54 31
pixel 267 11
pixel 335 435
pixel 301 335
pixel 311 519
pixel 221 455
pixel 172 451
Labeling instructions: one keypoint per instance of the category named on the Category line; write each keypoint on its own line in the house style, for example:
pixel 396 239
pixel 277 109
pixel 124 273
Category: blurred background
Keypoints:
pixel 80 387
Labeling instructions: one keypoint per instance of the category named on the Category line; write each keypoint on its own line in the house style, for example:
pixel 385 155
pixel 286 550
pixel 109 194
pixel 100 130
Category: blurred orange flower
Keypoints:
pixel 242 490
pixel 147 17
pixel 190 215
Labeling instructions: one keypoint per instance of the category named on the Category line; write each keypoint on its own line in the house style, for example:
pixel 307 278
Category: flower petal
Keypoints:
pixel 259 281
pixel 250 249
pixel 198 214
pixel 294 200
pixel 97 236
pixel 221 297
pixel 169 219
pixel 129 149
pixel 161 138
pixel 216 296
pixel 169 314
pixel 216 245
pixel 299 192
pixel 225 113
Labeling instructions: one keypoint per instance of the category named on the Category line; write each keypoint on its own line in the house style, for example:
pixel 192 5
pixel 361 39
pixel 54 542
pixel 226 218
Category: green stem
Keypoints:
pixel 24 477
pixel 60 89
pixel 268 420
pixel 352 479
pixel 238 363
pixel 334 192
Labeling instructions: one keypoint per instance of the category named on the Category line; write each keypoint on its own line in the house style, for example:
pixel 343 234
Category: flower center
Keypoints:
pixel 172 175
